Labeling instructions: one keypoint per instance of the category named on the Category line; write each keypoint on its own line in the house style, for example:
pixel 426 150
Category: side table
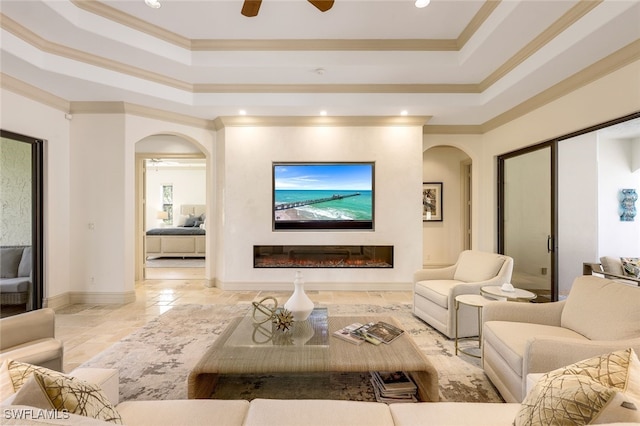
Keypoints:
pixel 496 292
pixel 478 302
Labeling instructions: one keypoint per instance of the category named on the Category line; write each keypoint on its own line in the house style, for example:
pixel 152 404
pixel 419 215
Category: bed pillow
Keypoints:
pixel 603 389
pixel 190 221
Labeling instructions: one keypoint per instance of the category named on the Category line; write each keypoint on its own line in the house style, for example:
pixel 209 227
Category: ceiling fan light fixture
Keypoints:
pixel 422 3
pixel 154 4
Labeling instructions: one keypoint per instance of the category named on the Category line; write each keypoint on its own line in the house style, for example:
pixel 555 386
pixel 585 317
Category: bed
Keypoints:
pixel 179 241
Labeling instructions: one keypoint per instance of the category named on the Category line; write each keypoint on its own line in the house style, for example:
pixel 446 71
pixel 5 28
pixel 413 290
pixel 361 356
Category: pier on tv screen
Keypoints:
pixel 323 196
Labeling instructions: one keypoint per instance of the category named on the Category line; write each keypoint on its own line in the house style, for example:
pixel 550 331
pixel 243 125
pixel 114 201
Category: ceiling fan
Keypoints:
pixel 252 7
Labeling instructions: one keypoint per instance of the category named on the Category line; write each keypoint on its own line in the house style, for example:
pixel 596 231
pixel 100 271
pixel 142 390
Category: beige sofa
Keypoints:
pixel 30 337
pixel 268 412
pixel 598 316
pixel 435 290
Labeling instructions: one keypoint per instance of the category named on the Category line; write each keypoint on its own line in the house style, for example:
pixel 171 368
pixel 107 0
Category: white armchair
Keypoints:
pixel 434 290
pixel 598 316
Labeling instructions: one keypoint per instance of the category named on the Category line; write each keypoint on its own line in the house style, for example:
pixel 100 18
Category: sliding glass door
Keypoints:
pixel 21 223
pixel 527 218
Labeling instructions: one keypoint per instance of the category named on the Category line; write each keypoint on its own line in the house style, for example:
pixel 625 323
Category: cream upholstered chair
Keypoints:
pixel 598 316
pixel 29 337
pixel 434 290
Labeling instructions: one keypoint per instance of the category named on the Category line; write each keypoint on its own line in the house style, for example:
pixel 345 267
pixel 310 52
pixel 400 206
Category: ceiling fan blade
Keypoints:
pixel 251 8
pixel 322 5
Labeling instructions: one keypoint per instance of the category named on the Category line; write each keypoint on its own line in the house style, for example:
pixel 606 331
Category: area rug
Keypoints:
pixel 155 360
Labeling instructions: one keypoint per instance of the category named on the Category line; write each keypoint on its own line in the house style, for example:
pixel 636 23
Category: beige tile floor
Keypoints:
pixel 87 330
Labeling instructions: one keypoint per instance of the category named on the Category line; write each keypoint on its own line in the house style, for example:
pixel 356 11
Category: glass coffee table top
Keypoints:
pixel 312 332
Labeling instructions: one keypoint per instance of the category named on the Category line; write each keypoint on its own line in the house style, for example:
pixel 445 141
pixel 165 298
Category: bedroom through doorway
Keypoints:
pixel 174 201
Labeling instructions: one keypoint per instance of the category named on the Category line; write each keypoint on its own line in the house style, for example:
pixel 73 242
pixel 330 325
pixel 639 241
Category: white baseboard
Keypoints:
pixel 314 286
pixel 98 298
pixel 57 302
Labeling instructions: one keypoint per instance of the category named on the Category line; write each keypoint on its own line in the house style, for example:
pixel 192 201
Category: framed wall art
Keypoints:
pixel 432 202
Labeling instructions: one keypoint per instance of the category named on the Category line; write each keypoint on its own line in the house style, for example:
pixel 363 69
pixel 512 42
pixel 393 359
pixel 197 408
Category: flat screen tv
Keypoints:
pixel 315 196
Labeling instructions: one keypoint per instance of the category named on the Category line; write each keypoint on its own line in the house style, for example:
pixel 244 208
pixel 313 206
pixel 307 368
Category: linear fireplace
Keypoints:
pixel 322 256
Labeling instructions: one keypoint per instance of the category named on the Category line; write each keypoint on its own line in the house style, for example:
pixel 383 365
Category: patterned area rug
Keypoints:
pixel 154 361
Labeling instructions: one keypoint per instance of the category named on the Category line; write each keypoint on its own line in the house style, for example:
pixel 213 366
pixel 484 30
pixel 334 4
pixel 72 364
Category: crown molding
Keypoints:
pixel 560 25
pixel 336 88
pixel 140 111
pixel 607 65
pixel 476 22
pixel 337 121
pixel 14 85
pixel 115 15
pixel 456 129
pixel 44 45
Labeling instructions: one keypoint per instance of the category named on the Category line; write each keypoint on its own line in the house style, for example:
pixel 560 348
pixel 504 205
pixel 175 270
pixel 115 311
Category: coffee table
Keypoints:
pixel 247 349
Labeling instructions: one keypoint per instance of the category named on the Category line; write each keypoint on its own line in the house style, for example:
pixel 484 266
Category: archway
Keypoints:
pixel 448 168
pixel 171 204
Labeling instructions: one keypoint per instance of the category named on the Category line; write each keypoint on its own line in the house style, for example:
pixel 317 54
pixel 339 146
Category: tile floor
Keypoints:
pixel 87 330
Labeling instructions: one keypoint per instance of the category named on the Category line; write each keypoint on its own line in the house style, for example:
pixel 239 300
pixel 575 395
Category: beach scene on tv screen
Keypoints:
pixel 323 192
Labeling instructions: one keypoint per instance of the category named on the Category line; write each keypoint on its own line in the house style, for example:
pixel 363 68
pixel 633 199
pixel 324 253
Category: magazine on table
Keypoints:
pixel 363 333
pixel 393 386
pixel 346 334
pixel 384 332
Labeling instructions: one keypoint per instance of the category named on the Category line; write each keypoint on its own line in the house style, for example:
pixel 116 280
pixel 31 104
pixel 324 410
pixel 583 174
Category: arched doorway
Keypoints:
pixel 447 168
pixel 171 201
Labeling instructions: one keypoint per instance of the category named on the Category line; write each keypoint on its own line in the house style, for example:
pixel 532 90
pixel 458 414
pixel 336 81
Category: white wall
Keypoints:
pixel 614 173
pixel 67 214
pixel 442 242
pixel 246 202
pixel 47 123
pixel 577 241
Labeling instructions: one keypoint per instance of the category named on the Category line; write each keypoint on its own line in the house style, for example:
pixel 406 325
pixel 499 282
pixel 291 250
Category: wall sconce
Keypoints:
pixel 627 210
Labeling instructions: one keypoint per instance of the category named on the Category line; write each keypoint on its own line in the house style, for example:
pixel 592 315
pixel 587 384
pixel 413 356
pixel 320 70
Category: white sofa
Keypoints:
pixel 598 316
pixel 267 412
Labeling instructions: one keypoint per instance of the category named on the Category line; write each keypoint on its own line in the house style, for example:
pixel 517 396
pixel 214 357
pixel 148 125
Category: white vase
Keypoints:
pixel 299 303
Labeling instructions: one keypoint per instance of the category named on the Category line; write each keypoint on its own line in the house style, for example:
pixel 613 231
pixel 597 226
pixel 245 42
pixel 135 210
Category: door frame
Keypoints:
pixel 552 238
pixel 37 214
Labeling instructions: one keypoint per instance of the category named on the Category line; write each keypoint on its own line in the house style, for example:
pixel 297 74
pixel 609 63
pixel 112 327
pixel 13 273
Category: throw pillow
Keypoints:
pixel 597 390
pixel 32 395
pixel 77 397
pixel 20 372
pixel 190 221
pixel 631 266
pixel 6 385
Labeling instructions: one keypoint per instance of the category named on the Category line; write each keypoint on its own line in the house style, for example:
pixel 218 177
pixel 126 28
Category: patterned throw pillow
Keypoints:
pixel 602 389
pixel 631 266
pixel 20 372
pixel 63 392
pixel 77 397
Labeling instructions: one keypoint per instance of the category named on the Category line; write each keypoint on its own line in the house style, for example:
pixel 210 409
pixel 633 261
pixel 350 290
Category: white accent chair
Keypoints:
pixel 30 337
pixel 598 316
pixel 435 290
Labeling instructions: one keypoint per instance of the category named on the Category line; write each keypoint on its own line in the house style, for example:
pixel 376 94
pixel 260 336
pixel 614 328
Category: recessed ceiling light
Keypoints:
pixel 242 112
pixel 323 112
pixel 404 112
pixel 155 4
pixel 422 3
